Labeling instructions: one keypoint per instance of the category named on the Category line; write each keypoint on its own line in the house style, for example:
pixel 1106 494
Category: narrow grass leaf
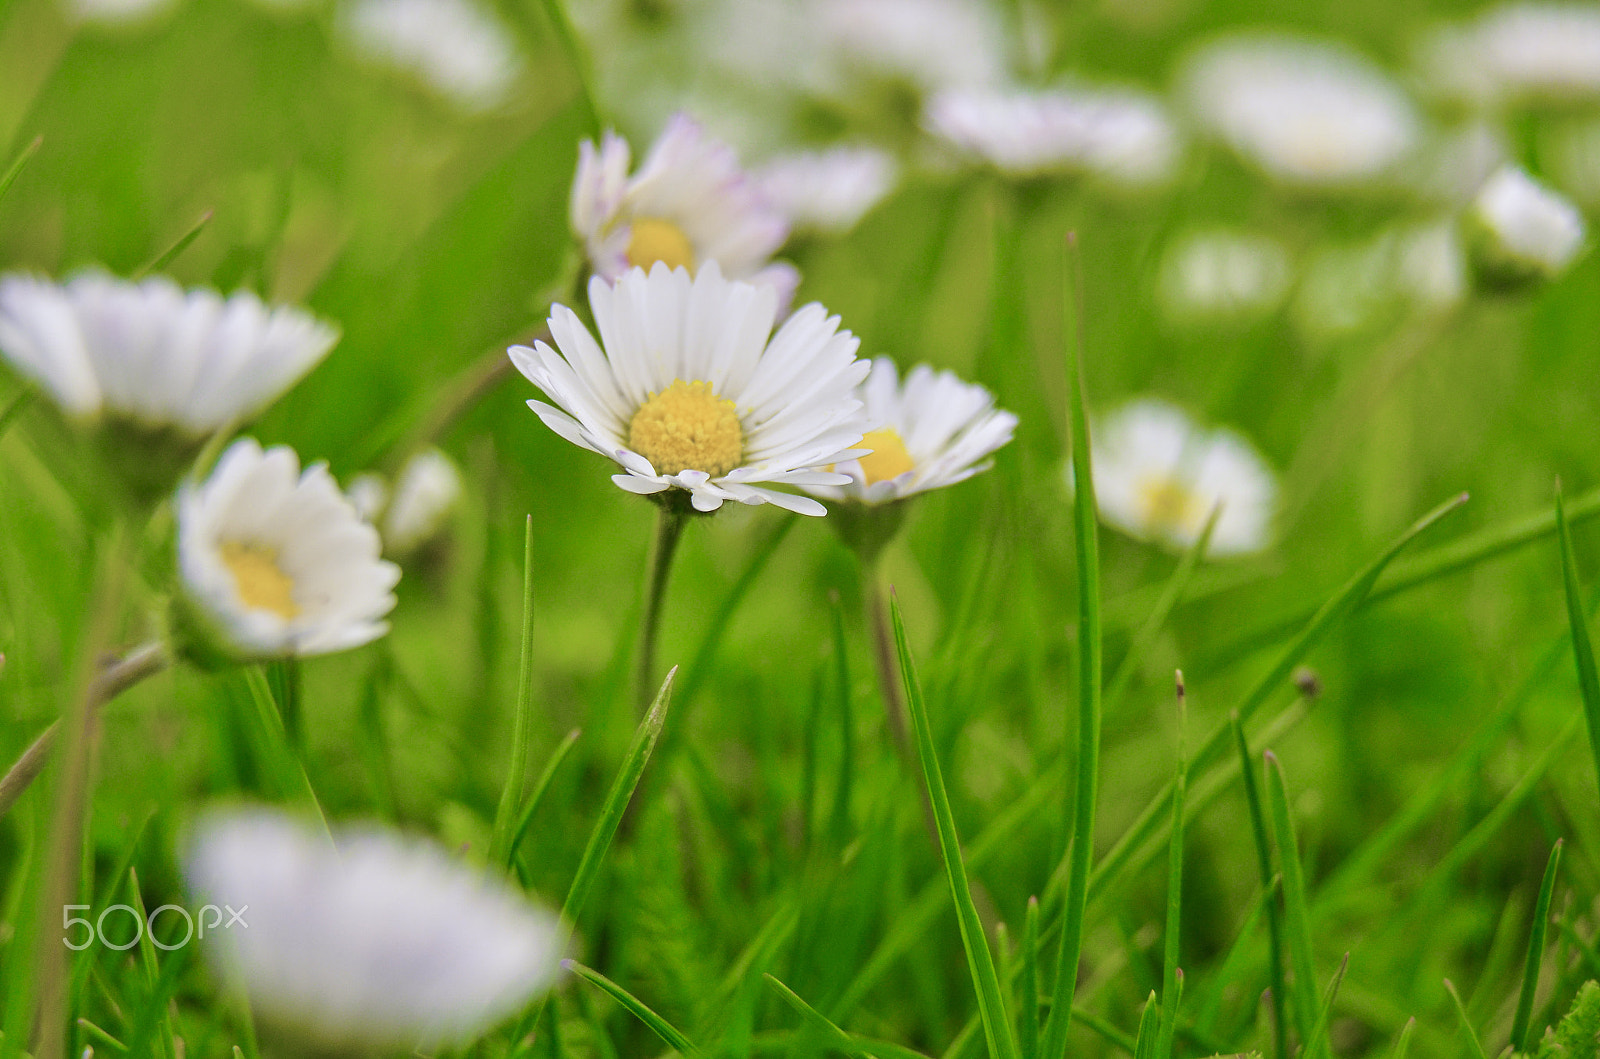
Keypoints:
pixel 1521 1039
pixel 1144 1046
pixel 1085 522
pixel 1317 1044
pixel 1466 1023
pixel 166 1035
pixel 1297 921
pixel 1582 647
pixel 505 821
pixel 836 1037
pixel 290 772
pixel 1028 1020
pixel 991 1000
pixel 21 163
pixel 1402 1043
pixel 673 1037
pixel 1263 844
pixel 167 256
pixel 540 787
pixel 1170 973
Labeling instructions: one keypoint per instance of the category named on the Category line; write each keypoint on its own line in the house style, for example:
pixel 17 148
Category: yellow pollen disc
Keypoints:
pixel 1168 504
pixel 655 240
pixel 262 583
pixel 888 459
pixel 687 427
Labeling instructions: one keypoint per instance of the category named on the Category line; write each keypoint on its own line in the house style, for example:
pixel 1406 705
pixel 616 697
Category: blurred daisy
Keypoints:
pixel 275 562
pixel 1517 51
pixel 688 392
pixel 1307 113
pixel 414 512
pixel 828 191
pixel 457 47
pixel 688 204
pixel 1124 136
pixel 372 940
pixel 1431 264
pixel 1520 230
pixel 932 431
pixel 1222 275
pixel 931 44
pixel 1157 477
pixel 152 353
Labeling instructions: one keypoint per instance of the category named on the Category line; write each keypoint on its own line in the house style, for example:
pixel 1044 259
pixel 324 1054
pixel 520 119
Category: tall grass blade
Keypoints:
pixel 1466 1023
pixel 673 1037
pixel 1402 1043
pixel 835 1037
pixel 505 814
pixel 1582 647
pixel 1144 1046
pixel 991 999
pixel 19 165
pixel 170 254
pixel 1521 1039
pixel 1269 887
pixel 1085 522
pixel 540 787
pixel 1296 920
pixel 1317 1045
pixel 1028 988
pixel 1170 973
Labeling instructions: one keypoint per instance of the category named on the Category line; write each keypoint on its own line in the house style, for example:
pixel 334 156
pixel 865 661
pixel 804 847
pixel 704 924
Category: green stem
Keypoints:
pixel 669 527
pixel 511 795
pixel 883 655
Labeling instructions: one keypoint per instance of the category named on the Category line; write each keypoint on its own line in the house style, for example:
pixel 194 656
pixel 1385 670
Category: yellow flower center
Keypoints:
pixel 1169 504
pixel 888 459
pixel 261 581
pixel 687 427
pixel 653 239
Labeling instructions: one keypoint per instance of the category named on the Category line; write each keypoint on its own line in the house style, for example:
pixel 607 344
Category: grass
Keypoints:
pixel 752 872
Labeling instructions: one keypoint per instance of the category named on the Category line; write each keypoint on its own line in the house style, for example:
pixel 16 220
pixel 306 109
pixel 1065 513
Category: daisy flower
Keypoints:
pixel 1519 51
pixel 685 390
pixel 1121 135
pixel 828 191
pixel 1157 476
pixel 1308 113
pixel 1521 230
pixel 688 204
pixel 275 562
pixel 372 940
pixel 155 354
pixel 414 512
pixel 931 431
pixel 456 47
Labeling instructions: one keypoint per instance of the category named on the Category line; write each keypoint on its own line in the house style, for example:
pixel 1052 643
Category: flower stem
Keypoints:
pixel 669 527
pixel 888 667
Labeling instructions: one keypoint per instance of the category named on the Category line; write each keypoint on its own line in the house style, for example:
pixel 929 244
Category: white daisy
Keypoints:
pixel 153 353
pixel 275 562
pixel 828 191
pixel 426 489
pixel 1517 52
pixel 1308 113
pixel 1223 274
pixel 933 431
pixel 687 391
pixel 1122 135
pixel 688 204
pixel 1157 476
pixel 932 44
pixel 373 940
pixel 459 48
pixel 1521 229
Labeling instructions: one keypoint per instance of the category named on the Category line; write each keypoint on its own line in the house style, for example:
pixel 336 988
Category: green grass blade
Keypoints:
pixel 835 1037
pixel 1144 1046
pixel 289 771
pixel 19 165
pixel 1402 1043
pixel 1263 843
pixel 1582 647
pixel 1296 920
pixel 991 1000
pixel 511 794
pixel 1521 1039
pixel 1085 521
pixel 673 1037
pixel 1028 989
pixel 540 787
pixel 1318 1042
pixel 166 1035
pixel 166 257
pixel 1171 975
pixel 1340 605
pixel 1466 1023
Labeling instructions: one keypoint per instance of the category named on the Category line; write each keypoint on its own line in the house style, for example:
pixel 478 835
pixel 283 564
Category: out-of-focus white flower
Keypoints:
pixel 1519 229
pixel 1157 477
pixel 688 204
pixel 1308 113
pixel 152 353
pixel 931 44
pixel 427 488
pixel 932 431
pixel 1223 275
pixel 829 190
pixel 1516 52
pixel 689 393
pixel 117 12
pixel 1431 264
pixel 368 493
pixel 370 940
pixel 1122 135
pixel 459 48
pixel 277 563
